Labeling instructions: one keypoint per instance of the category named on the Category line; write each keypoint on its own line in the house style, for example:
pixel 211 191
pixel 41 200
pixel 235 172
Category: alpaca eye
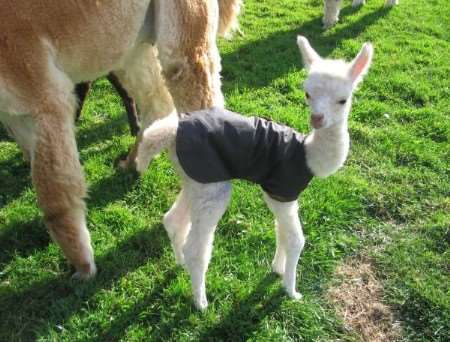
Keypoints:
pixel 342 101
pixel 307 95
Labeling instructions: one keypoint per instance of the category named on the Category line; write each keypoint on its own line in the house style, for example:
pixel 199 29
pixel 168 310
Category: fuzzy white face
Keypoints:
pixel 330 84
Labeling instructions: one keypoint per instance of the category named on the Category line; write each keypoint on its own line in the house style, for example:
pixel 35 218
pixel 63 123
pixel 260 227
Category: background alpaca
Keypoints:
pixel 332 7
pixel 163 52
pixel 193 218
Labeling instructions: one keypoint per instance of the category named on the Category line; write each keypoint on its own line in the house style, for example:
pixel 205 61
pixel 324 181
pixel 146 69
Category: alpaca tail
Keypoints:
pixel 228 17
pixel 161 134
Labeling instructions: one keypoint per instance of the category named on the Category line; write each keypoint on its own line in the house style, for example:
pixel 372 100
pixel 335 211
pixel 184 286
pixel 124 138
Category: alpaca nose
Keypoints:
pixel 317 120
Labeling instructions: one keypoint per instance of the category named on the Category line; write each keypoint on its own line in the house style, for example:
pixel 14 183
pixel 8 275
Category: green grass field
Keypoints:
pixel 390 203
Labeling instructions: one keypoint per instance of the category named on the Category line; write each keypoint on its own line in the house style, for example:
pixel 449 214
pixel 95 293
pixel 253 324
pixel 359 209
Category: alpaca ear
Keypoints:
pixel 360 65
pixel 308 54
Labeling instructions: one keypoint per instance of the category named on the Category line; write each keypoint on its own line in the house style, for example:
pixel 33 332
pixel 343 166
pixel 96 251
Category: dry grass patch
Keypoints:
pixel 358 297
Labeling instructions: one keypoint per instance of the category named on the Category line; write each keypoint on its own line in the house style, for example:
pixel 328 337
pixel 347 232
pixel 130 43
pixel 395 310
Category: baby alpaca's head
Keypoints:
pixel 330 84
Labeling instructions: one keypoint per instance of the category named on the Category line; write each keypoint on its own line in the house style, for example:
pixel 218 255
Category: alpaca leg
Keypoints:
pixel 286 215
pixel 279 260
pixel 392 2
pixel 357 3
pixel 81 90
pixel 128 102
pixel 59 182
pixel 177 222
pixel 208 203
pixel 331 12
pixel 142 80
pixel 188 53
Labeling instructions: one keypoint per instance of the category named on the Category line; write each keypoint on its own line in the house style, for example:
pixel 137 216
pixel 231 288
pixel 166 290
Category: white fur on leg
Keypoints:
pixel 357 3
pixel 208 203
pixel 177 222
pixel 392 2
pixel 279 260
pixel 290 229
pixel 331 12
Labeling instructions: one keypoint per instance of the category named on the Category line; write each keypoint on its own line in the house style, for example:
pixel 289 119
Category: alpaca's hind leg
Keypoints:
pixel 208 203
pixel 177 222
pixel 142 80
pixel 288 224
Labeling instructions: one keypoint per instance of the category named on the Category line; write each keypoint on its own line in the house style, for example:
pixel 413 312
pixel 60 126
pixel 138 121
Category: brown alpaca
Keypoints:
pixel 228 13
pixel 163 52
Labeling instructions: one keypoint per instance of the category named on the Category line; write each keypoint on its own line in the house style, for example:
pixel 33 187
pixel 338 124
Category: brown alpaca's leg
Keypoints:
pixel 59 182
pixel 56 170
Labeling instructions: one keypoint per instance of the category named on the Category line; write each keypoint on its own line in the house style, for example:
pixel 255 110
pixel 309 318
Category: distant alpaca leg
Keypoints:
pixel 208 203
pixel 292 242
pixel 177 222
pixel 22 129
pixel 81 90
pixel 392 2
pixel 143 81
pixel 357 3
pixel 331 12
pixel 128 102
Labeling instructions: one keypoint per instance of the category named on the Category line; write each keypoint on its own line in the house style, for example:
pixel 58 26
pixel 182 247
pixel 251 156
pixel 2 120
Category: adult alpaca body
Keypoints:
pixel 228 23
pixel 163 52
pixel 210 147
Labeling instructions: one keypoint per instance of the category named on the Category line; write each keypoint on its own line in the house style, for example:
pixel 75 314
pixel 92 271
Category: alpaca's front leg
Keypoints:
pixel 290 241
pixel 60 187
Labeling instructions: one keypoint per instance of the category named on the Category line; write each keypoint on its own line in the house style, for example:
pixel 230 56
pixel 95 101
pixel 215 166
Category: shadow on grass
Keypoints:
pixel 22 239
pixel 15 178
pixel 246 315
pixel 256 64
pixel 51 302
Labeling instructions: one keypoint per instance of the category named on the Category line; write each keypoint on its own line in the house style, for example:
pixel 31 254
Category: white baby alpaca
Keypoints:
pixel 193 218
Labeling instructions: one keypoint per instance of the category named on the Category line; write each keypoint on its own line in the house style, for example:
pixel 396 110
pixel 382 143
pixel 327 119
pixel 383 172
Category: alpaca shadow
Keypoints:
pixel 258 63
pixel 22 239
pixel 88 136
pixel 244 317
pixel 152 317
pixel 15 179
pixel 60 297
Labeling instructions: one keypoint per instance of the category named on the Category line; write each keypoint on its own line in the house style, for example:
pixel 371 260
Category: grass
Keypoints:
pixel 391 201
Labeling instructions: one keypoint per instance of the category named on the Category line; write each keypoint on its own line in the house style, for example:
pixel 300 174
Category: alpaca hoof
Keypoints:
pixel 295 295
pixel 329 24
pixel 357 3
pixel 87 273
pixel 201 304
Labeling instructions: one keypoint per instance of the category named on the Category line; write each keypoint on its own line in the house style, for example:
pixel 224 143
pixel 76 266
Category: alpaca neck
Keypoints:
pixel 327 149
